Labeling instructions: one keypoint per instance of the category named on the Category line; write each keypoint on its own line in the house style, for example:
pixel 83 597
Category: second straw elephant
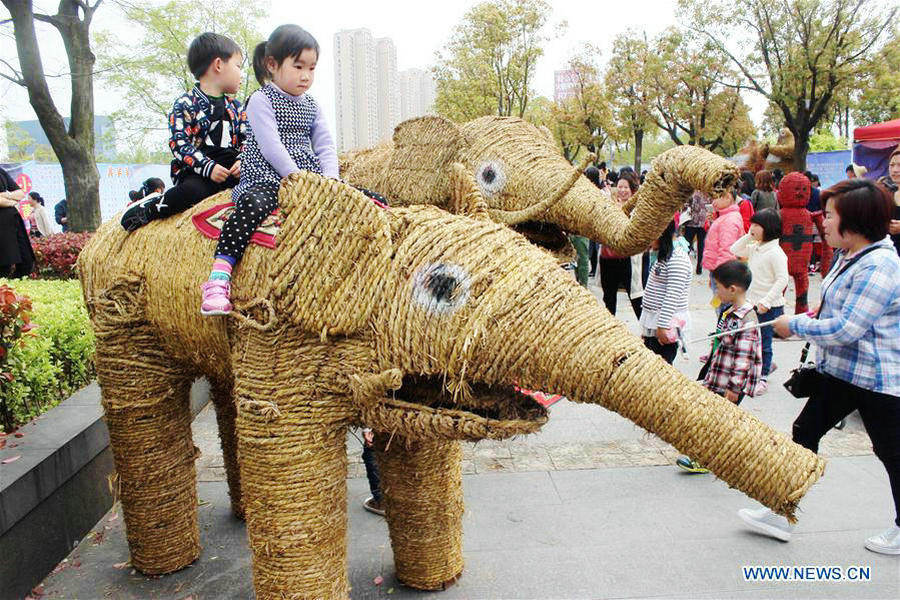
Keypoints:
pixel 413 320
pixel 527 184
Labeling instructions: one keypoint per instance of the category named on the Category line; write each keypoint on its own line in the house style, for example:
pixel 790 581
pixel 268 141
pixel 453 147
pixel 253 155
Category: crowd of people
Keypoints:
pixel 752 240
pixel 22 218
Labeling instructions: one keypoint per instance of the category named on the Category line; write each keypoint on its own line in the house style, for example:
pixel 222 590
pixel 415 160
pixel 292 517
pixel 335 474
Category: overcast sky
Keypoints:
pixel 418 30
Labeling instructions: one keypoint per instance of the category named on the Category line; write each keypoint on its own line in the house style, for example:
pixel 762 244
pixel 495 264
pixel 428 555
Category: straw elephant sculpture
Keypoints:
pixel 526 183
pixel 414 321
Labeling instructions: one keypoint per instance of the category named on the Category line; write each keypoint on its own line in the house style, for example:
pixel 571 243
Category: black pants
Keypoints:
pixel 880 414
pixel 667 351
pixel 251 209
pixel 190 190
pixel 368 456
pixel 689 234
pixel 616 273
pixel 593 252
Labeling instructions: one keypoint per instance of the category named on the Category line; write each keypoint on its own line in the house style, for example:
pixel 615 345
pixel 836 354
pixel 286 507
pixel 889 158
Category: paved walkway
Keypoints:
pixel 590 507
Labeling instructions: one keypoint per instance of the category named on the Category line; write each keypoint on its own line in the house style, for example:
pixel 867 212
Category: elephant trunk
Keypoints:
pixel 574 347
pixel 630 229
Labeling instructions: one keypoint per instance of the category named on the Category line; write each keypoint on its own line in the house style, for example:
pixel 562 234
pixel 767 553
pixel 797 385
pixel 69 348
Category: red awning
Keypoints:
pixel 889 130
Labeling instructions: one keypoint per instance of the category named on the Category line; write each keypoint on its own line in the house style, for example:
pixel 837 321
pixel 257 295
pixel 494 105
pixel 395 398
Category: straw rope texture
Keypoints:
pixel 525 181
pixel 413 320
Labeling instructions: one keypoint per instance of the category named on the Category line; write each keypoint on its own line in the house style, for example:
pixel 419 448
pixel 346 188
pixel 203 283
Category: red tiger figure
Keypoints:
pixel 796 232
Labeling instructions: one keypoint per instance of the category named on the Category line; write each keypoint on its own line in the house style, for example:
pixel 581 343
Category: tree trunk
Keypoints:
pixel 74 147
pixel 82 183
pixel 638 147
pixel 801 149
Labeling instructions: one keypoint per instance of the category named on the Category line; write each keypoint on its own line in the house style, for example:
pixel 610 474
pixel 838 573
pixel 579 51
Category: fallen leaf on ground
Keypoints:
pixel 378 580
pixel 19 434
pixel 6 461
pixel 113 517
pixel 122 565
pixel 390 590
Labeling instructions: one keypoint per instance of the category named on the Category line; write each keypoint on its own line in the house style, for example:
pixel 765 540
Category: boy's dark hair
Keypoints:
pixel 602 164
pixel 849 169
pixel 770 222
pixel 287 41
pixel 206 48
pixel 865 207
pixel 733 272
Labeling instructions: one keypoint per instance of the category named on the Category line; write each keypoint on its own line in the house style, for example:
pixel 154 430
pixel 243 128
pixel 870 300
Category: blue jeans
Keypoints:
pixel 767 335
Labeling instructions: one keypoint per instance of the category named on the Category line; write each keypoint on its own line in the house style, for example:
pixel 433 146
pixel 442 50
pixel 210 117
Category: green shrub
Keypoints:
pixel 58 357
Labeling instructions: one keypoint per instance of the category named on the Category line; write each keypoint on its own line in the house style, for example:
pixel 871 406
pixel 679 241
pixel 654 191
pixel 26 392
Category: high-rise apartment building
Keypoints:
pixel 388 90
pixel 417 92
pixel 371 97
pixel 356 102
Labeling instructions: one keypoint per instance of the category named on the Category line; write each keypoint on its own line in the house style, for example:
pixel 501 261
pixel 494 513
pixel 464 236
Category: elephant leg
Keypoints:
pixel 226 411
pixel 295 497
pixel 422 487
pixel 149 420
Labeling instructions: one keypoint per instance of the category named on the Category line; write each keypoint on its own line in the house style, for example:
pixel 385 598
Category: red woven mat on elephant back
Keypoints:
pixel 543 398
pixel 210 223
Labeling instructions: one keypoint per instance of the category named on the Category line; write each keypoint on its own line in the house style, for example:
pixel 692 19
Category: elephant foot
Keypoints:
pixel 425 587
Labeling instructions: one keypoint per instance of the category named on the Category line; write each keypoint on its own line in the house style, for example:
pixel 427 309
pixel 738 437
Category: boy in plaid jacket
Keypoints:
pixel 734 367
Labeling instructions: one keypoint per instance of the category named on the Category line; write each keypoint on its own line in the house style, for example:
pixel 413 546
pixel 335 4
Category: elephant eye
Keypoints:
pixel 441 288
pixel 491 178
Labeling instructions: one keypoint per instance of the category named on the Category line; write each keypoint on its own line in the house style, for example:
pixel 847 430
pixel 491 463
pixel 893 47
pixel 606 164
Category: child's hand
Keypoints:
pixel 368 437
pixel 219 174
pixel 235 169
pixel 762 309
pixel 731 397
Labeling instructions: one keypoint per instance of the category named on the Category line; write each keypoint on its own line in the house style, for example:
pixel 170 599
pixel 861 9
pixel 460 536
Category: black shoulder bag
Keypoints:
pixel 805 379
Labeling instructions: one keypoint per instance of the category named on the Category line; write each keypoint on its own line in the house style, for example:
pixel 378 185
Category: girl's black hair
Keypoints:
pixel 149 186
pixel 37 197
pixel 770 222
pixel 287 41
pixel 748 182
pixel 593 173
pixel 666 243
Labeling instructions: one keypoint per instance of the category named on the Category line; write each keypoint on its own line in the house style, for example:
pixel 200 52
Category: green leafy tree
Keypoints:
pixel 584 120
pixel 629 79
pixel 692 105
pixel 74 145
pixel 489 64
pixel 879 98
pixel 825 141
pixel 152 73
pixel 801 54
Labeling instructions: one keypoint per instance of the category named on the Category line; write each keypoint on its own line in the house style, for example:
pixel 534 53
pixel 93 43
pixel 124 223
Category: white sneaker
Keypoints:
pixel 886 542
pixel 762 386
pixel 767 522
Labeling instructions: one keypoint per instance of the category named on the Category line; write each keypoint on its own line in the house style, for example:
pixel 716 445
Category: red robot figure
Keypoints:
pixel 796 233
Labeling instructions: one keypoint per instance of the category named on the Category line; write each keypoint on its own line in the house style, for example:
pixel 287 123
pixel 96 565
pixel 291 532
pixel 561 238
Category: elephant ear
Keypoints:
pixel 424 149
pixel 334 250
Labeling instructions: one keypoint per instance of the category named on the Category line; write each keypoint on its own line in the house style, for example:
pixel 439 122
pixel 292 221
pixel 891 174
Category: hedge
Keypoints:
pixel 57 356
pixel 55 255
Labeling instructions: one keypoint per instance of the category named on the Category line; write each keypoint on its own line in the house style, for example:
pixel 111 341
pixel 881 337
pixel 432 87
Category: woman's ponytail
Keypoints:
pixel 259 64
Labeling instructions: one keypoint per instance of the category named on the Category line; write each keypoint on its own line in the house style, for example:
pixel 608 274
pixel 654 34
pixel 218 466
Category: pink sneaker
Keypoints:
pixel 216 297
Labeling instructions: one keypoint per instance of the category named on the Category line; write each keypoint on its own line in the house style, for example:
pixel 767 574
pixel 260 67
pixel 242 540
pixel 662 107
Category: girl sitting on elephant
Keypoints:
pixel 287 134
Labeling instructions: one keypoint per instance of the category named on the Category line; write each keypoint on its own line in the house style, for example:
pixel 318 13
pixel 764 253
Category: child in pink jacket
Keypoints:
pixel 727 228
